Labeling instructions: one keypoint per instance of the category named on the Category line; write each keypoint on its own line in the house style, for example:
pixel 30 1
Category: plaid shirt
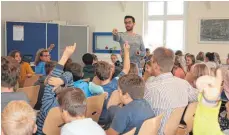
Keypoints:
pixel 166 92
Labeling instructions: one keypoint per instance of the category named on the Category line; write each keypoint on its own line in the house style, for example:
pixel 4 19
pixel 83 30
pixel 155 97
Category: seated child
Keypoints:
pixel 18 118
pixel 9 75
pixel 88 69
pixel 104 72
pixel 136 109
pixel 89 88
pixel 73 105
pixel 206 116
pixel 49 98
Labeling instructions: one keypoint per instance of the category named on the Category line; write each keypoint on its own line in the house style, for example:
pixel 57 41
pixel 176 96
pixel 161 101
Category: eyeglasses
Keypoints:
pixel 46 55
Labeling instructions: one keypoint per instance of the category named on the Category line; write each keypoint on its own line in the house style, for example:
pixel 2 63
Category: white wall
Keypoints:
pixel 198 10
pixel 100 16
pixel 104 16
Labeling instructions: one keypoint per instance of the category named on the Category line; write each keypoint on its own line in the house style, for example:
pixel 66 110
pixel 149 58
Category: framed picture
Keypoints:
pixel 214 31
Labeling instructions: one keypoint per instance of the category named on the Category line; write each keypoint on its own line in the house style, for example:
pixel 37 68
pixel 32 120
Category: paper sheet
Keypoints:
pixel 18 33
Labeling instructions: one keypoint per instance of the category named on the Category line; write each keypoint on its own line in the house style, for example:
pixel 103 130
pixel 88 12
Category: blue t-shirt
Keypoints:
pixel 89 89
pixel 83 86
pixel 131 116
pixel 40 68
pixel 110 87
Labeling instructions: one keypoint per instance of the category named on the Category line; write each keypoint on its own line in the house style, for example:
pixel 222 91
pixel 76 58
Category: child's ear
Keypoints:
pixel 127 96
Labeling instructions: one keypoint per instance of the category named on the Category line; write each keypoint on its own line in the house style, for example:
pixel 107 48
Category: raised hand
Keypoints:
pixel 210 86
pixel 56 82
pixel 115 31
pixel 126 47
pixel 51 46
pixel 69 50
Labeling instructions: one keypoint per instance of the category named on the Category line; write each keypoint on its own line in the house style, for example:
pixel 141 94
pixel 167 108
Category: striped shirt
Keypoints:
pixel 166 92
pixel 49 98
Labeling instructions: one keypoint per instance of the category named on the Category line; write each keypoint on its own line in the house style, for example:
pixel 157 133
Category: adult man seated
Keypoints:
pixel 166 92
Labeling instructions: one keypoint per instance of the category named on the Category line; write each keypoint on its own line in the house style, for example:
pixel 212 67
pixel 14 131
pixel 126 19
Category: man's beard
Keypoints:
pixel 129 29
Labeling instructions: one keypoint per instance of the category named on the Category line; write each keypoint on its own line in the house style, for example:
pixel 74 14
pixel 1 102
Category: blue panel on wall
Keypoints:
pixel 52 38
pixel 34 38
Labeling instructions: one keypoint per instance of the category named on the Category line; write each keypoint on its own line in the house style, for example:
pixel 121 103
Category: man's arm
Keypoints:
pixel 111 131
pixel 192 94
pixel 126 64
pixel 116 35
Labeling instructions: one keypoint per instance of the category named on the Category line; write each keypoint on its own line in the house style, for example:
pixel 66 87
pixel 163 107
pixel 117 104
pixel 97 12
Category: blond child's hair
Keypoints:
pixel 18 118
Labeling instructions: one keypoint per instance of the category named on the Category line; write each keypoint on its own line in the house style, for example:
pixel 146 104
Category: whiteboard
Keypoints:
pixel 214 30
pixel 106 42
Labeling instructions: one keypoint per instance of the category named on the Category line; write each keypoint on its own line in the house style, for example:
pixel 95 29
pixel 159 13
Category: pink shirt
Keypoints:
pixel 179 72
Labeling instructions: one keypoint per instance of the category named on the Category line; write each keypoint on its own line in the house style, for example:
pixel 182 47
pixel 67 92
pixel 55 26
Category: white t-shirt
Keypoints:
pixel 82 127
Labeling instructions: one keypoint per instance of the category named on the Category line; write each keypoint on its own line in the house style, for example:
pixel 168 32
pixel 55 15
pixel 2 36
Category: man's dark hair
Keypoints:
pixel 73 101
pixel 9 71
pixel 76 70
pixel 49 66
pixel 87 59
pixel 103 70
pixel 128 16
pixel 210 56
pixel 147 49
pixel 133 85
pixel 179 53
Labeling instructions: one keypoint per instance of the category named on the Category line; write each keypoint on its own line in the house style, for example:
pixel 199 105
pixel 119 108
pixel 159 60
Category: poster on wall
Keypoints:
pixel 18 33
pixel 214 31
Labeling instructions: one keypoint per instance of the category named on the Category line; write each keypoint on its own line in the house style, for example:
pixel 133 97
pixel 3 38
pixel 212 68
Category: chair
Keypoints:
pixel 31 80
pixel 151 126
pixel 114 99
pixel 95 106
pixel 189 117
pixel 53 121
pixel 31 92
pixel 131 132
pixel 173 121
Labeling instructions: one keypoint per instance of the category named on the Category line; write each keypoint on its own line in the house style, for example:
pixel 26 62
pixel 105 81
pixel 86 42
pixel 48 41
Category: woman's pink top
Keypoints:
pixel 179 72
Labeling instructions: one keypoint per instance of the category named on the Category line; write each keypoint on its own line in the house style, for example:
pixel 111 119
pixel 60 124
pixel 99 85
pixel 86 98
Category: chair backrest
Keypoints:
pixel 53 121
pixel 29 81
pixel 189 116
pixel 95 106
pixel 31 92
pixel 151 126
pixel 173 121
pixel 131 132
pixel 114 99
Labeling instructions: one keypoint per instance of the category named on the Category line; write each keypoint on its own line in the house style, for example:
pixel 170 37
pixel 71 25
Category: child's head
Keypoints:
pixel 114 58
pixel 18 118
pixel 42 55
pixel 147 51
pixel 103 70
pixel 49 66
pixel 179 53
pixel 9 71
pixel 190 60
pixel 200 56
pixel 76 70
pixel 209 57
pixel 87 59
pixel 131 87
pixel 72 103
pixel 133 69
pixel 16 55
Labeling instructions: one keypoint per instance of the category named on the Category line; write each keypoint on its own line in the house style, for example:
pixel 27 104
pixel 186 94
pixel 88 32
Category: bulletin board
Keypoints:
pixel 28 37
pixel 103 43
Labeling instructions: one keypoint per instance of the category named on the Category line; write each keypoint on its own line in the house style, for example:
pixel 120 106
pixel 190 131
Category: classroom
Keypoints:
pixel 115 67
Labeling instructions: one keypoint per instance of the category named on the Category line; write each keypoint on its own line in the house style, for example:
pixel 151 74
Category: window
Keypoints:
pixel 164 25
